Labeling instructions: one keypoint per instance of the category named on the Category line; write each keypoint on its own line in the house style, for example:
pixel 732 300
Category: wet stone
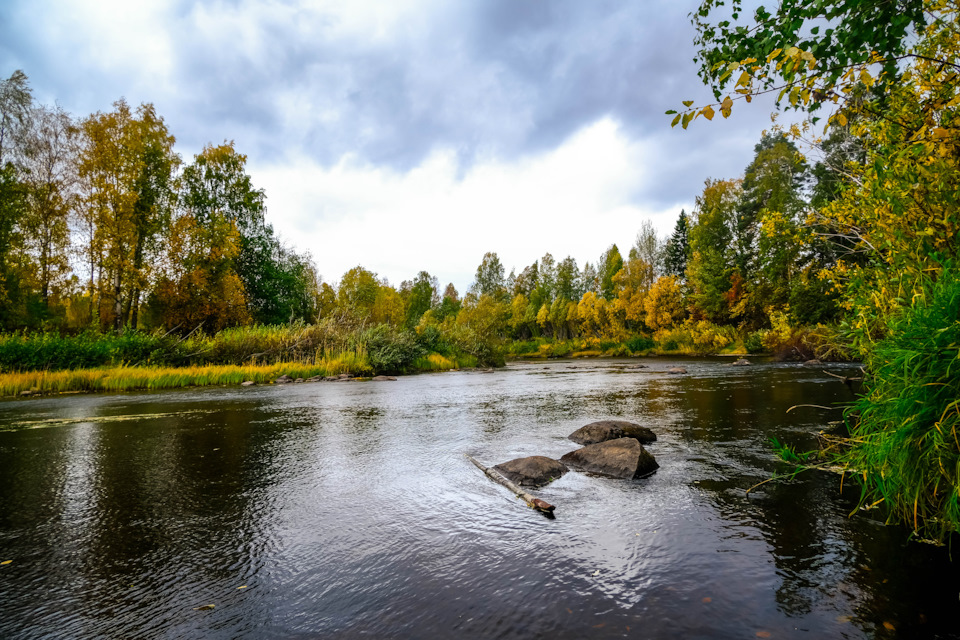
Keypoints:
pixel 622 458
pixel 604 430
pixel 532 471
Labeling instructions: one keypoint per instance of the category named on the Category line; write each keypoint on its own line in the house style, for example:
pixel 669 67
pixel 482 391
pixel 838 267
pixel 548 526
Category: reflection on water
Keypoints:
pixel 349 510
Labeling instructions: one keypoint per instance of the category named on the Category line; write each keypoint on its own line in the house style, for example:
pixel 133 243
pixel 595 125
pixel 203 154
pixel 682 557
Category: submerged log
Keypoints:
pixel 493 474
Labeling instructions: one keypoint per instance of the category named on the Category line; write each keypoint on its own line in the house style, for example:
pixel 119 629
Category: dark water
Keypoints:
pixel 349 510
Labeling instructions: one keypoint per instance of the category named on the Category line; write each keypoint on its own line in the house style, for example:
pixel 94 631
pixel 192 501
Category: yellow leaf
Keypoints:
pixel 243 587
pixel 205 607
pixel 6 562
pixel 676 120
pixel 773 54
pixel 841 120
pixel 687 103
pixel 708 112
pixel 744 80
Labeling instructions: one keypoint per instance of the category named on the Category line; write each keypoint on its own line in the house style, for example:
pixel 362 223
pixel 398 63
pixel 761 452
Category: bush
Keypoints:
pixel 390 350
pixel 753 343
pixel 639 343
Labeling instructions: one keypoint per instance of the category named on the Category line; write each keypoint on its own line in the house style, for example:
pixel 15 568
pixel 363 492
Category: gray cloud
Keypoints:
pixel 487 78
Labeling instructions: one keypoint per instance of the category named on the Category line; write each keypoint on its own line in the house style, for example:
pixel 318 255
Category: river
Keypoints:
pixel 349 510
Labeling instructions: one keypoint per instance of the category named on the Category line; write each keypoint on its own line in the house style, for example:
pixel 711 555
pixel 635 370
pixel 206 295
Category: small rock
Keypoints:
pixel 345 376
pixel 331 378
pixel 26 392
pixel 812 363
pixel 314 379
pixel 604 430
pixel 676 370
pixel 638 366
pixel 742 362
pixel 533 471
pixel 621 458
pixel 299 380
pixel 284 379
pixel 383 378
pixel 247 383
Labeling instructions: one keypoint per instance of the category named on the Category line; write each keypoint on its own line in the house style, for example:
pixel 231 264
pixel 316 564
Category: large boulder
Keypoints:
pixel 621 458
pixel 604 430
pixel 534 471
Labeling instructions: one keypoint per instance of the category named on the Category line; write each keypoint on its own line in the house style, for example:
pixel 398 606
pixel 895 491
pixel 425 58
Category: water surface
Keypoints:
pixel 349 510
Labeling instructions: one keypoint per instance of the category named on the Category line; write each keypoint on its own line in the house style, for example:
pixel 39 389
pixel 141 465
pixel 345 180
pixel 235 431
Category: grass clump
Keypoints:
pixel 904 444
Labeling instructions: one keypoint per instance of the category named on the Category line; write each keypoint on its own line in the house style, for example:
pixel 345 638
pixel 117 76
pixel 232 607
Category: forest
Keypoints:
pixel 838 241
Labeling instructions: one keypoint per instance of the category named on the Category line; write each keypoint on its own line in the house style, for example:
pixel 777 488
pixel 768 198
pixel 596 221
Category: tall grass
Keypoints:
pixel 904 444
pixel 138 378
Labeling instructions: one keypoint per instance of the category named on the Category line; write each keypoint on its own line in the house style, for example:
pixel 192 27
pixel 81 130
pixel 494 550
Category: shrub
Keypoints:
pixel 640 343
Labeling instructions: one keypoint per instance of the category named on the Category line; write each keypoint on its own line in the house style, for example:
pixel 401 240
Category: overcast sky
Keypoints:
pixel 409 135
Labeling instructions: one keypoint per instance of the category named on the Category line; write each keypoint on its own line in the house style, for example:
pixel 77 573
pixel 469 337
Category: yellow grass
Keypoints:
pixel 136 378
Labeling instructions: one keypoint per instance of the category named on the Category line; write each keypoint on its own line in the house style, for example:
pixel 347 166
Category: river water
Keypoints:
pixel 348 510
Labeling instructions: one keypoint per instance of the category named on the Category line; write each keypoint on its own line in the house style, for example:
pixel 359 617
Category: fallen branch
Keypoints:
pixel 493 474
pixel 843 379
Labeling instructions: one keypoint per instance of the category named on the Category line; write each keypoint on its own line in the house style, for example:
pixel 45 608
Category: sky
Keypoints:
pixel 409 135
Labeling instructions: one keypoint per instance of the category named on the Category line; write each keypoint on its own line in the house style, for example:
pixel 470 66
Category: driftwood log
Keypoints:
pixel 493 474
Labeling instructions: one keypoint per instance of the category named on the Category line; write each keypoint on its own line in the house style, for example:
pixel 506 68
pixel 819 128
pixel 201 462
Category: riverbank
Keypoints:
pixel 125 378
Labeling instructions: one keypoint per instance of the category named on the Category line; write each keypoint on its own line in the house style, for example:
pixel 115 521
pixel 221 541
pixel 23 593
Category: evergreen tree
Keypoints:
pixel 677 251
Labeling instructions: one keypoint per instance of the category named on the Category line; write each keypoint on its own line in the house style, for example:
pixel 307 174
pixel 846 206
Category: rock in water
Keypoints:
pixel 742 362
pixel 676 370
pixel 247 383
pixel 621 458
pixel 284 379
pixel 611 430
pixel 383 378
pixel 534 471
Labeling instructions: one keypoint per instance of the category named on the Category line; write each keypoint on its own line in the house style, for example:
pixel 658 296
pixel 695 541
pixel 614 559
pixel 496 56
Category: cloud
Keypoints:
pixel 459 123
pixel 575 200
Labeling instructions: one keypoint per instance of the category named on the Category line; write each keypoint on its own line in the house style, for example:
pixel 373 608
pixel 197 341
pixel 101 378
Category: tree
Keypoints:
pixel 711 266
pixel 450 304
pixel 649 248
pixel 13 207
pixel 489 279
pixel 278 283
pixel 664 304
pixel 632 283
pixel 567 284
pixel 423 296
pixel 767 239
pixel 127 162
pixel 200 286
pixel 15 101
pixel 677 249
pixel 610 264
pixel 357 292
pixel 49 169
pixel 810 53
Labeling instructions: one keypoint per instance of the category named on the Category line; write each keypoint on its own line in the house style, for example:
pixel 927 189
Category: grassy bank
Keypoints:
pixel 156 378
pixel 51 363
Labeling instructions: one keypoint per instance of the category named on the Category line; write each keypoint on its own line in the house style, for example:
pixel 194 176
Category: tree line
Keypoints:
pixel 103 225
